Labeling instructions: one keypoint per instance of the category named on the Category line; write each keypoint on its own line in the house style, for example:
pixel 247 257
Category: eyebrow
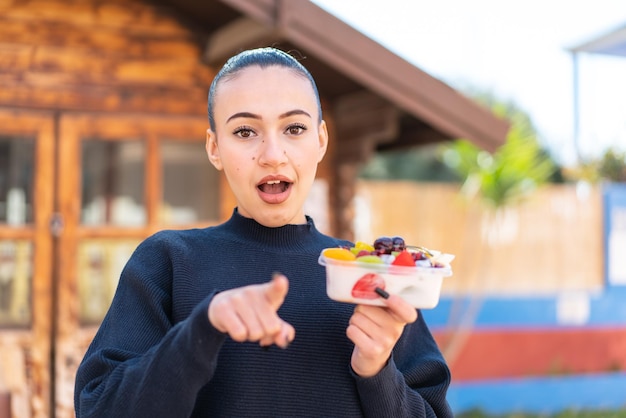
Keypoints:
pixel 255 116
pixel 294 112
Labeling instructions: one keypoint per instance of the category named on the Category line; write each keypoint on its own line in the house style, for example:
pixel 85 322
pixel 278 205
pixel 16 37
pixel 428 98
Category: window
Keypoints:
pixel 190 184
pixel 113 183
pixel 16 180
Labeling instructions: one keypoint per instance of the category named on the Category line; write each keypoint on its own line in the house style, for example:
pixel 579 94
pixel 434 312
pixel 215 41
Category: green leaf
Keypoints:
pixel 507 175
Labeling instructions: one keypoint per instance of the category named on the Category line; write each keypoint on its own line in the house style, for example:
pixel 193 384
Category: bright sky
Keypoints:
pixel 518 51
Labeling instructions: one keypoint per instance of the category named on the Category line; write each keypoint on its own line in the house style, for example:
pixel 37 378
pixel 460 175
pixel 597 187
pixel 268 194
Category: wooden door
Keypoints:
pixel 122 178
pixel 26 261
pixel 78 192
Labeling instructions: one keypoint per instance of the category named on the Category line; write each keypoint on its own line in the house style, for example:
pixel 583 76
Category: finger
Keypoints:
pixel 380 327
pixel 266 341
pixel 231 324
pixel 378 316
pixel 285 336
pixel 274 294
pixel 401 309
pixel 368 347
pixel 235 313
pixel 357 336
pixel 221 316
pixel 246 309
pixel 276 290
pixel 368 320
pixel 268 320
pixel 260 317
pixel 282 339
pixel 248 305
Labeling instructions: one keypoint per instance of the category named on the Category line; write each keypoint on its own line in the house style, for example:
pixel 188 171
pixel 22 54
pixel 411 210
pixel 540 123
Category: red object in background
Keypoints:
pixel 538 352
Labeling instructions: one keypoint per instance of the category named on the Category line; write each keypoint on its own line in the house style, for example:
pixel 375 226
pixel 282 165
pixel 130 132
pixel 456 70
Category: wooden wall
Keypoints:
pixel 550 243
pixel 116 55
pixel 64 57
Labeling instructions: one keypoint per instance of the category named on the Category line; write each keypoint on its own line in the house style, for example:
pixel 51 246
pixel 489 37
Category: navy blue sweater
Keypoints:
pixel 156 354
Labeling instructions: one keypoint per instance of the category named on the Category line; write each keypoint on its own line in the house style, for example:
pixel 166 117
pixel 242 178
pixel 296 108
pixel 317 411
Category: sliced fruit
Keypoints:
pixel 363 246
pixel 404 258
pixel 370 259
pixel 441 260
pixel 365 287
pixel 339 254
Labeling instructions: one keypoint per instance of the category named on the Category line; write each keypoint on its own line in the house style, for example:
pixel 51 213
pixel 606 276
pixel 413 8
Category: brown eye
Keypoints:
pixel 296 130
pixel 244 133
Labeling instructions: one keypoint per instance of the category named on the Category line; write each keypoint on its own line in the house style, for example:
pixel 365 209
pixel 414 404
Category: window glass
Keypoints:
pixel 16 180
pixel 15 282
pixel 100 263
pixel 190 184
pixel 113 183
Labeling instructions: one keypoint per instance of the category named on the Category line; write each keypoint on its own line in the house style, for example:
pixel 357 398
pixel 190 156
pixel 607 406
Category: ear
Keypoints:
pixel 212 150
pixel 323 141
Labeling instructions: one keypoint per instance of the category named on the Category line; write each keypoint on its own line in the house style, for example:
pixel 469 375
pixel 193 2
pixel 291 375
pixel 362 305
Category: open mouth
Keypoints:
pixel 274 186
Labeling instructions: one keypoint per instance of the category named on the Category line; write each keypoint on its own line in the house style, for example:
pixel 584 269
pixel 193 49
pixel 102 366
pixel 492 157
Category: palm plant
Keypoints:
pixel 499 180
pixel 509 174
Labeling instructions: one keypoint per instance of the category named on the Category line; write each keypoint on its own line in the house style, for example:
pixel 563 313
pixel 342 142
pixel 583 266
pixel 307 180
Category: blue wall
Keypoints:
pixel 541 395
pixel 605 309
pixel 548 395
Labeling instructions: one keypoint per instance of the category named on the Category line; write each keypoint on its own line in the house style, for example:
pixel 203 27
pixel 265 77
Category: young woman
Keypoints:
pixel 233 320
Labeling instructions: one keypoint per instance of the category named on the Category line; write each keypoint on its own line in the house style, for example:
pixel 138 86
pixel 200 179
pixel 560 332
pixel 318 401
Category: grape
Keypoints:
pixel 418 255
pixel 398 244
pixel 383 245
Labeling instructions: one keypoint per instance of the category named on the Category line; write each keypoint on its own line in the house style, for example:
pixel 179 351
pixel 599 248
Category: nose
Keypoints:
pixel 272 151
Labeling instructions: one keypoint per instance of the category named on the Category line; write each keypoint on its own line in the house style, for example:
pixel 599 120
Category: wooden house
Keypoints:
pixel 102 129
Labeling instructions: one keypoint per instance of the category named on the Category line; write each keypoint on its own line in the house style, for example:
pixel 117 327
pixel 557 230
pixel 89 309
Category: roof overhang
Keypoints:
pixel 345 62
pixel 610 43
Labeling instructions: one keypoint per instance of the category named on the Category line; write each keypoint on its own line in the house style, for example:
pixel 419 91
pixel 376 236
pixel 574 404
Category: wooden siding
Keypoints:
pixel 119 55
pixel 550 243
pixel 123 63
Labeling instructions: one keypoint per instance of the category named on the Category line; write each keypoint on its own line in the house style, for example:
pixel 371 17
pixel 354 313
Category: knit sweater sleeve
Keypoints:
pixel 414 382
pixel 139 363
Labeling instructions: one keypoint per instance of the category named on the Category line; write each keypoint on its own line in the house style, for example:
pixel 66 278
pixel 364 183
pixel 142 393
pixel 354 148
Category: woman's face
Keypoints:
pixel 268 142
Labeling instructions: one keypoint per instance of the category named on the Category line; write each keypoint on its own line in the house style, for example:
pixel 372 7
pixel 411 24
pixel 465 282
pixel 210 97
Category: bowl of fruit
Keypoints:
pixel 367 274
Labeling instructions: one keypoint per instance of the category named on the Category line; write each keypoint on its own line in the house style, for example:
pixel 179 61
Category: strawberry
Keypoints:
pixel 365 287
pixel 404 259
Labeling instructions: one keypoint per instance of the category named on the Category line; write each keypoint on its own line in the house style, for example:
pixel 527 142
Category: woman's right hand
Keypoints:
pixel 250 313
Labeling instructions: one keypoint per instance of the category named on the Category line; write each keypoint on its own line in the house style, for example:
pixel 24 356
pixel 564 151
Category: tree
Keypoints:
pixel 422 163
pixel 434 162
pixel 612 166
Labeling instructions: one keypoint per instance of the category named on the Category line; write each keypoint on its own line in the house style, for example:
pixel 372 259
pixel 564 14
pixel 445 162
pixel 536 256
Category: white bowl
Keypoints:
pixel 420 286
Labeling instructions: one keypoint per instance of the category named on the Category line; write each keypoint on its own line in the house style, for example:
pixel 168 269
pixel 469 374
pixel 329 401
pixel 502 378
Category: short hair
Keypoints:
pixel 261 57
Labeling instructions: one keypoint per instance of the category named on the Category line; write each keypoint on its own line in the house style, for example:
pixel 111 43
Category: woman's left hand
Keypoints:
pixel 375 330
